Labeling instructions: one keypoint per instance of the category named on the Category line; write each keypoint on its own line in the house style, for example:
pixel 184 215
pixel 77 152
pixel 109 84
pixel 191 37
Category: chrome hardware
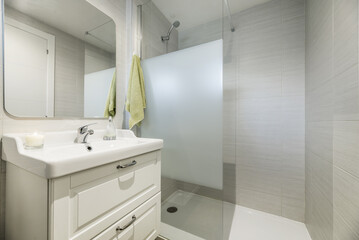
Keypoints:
pixel 127 225
pixel 83 132
pixel 127 165
pixel 84 128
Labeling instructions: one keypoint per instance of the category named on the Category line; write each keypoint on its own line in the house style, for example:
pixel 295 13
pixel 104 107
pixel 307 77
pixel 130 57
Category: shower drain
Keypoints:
pixel 172 209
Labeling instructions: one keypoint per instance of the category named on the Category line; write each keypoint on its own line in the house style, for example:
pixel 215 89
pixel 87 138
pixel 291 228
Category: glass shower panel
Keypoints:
pixel 184 108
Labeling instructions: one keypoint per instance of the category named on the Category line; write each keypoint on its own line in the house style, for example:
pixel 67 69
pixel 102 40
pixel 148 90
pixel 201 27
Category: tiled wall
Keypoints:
pixel 97 59
pixel 332 118
pixel 269 60
pixel 210 31
pixel 169 186
pixel 116 10
pixel 319 124
pixel 155 25
pixel 264 66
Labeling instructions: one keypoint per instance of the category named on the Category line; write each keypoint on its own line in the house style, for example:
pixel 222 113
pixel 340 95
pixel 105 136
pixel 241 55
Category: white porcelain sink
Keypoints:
pixel 61 156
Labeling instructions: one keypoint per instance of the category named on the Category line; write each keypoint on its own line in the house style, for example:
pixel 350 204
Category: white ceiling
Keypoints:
pixel 75 17
pixel 192 13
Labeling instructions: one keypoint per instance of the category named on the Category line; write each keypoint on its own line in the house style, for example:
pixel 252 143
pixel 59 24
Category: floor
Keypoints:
pixel 200 218
pixel 197 215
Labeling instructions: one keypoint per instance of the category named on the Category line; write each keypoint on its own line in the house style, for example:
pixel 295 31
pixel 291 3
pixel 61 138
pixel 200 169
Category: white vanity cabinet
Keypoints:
pixel 118 200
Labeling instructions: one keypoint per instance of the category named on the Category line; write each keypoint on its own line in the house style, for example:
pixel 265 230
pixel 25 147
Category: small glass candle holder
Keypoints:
pixel 34 141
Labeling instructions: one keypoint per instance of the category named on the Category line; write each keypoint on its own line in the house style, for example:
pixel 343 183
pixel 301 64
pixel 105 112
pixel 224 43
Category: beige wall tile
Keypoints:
pixel 345 32
pixel 346 205
pixel 346 146
pixel 264 100
pixel 260 201
pixel 293 208
pixel 346 94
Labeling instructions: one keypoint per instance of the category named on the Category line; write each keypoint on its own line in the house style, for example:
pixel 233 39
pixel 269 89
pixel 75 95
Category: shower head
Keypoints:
pixel 175 24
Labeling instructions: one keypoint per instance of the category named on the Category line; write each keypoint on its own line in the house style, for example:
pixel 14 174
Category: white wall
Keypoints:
pixel 28 92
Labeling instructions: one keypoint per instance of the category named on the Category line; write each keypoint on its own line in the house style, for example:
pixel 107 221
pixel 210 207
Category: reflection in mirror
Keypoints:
pixel 59 58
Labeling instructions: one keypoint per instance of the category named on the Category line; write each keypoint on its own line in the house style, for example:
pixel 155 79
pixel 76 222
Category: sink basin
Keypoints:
pixel 60 156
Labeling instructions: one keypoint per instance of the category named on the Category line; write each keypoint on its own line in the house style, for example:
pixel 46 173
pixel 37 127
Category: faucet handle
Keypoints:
pixel 83 129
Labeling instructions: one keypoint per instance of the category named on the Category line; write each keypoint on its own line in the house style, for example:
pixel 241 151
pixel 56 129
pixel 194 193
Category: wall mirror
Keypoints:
pixel 59 58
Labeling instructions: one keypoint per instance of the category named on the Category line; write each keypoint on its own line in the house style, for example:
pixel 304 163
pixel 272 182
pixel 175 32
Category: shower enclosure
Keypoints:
pixel 262 112
pixel 184 107
pixel 183 73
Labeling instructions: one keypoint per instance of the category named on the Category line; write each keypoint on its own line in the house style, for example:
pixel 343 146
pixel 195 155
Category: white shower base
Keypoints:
pixel 200 218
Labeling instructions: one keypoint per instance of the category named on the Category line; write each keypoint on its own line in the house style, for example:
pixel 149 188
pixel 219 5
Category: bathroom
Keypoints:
pixel 256 101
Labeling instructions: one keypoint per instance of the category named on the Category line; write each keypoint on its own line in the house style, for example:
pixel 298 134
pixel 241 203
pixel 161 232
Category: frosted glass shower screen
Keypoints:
pixel 184 107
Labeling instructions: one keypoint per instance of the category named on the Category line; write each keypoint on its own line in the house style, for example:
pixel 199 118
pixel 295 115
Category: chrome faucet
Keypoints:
pixel 83 132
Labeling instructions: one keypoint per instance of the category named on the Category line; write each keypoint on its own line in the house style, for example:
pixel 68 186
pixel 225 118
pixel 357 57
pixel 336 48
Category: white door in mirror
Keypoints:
pixel 29 63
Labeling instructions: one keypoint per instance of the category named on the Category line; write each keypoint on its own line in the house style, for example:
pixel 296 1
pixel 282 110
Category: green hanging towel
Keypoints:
pixel 110 108
pixel 136 99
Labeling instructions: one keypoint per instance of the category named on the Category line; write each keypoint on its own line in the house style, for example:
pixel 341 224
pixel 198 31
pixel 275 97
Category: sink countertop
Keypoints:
pixel 60 156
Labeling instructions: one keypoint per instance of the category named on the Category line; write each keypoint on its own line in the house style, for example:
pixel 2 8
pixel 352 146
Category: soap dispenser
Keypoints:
pixel 110 131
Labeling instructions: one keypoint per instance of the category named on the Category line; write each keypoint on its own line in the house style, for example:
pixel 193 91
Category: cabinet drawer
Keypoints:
pixel 101 202
pixel 140 224
pixel 108 169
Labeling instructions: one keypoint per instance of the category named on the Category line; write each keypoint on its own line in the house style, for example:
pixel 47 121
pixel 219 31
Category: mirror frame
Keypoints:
pixel 3 75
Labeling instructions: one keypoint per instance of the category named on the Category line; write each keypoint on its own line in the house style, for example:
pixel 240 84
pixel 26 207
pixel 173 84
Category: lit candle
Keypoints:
pixel 34 140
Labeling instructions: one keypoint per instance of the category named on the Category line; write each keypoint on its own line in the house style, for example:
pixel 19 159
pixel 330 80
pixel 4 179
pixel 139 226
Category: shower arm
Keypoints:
pixel 229 16
pixel 170 30
pixel 167 37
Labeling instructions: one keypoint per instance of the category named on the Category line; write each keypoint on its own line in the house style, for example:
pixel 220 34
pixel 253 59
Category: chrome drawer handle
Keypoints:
pixel 127 225
pixel 127 165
